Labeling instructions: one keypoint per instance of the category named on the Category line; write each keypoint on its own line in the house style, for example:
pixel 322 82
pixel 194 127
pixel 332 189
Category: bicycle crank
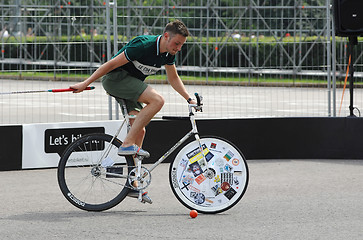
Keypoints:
pixel 139 181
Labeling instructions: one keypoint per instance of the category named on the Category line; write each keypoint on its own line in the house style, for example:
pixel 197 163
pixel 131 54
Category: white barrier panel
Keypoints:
pixel 44 143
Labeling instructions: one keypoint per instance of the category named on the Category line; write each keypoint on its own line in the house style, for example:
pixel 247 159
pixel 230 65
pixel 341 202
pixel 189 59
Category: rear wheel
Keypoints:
pixel 91 175
pixel 214 188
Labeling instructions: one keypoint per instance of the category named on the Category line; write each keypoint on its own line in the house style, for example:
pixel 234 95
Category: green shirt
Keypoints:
pixel 144 55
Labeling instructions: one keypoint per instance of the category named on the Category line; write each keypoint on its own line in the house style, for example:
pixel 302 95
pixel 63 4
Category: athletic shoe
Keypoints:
pixel 135 194
pixel 132 150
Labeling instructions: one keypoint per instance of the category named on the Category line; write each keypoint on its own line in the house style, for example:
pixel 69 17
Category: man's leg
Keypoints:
pixel 154 102
pixel 141 135
pixel 136 134
pixel 139 140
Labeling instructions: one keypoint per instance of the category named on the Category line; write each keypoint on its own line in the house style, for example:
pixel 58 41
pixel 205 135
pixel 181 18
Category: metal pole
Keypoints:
pixel 93 30
pixel 115 48
pixel 334 70
pixel 128 22
pixel 352 41
pixel 207 43
pixel 108 30
pixel 328 49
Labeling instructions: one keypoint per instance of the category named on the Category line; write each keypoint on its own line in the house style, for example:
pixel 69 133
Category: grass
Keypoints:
pixel 122 38
pixel 186 79
pixel 43 75
pixel 236 80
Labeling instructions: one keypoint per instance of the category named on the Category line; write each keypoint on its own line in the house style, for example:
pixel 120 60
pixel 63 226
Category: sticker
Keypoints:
pixel 183 163
pixel 217 179
pixel 199 198
pixel 230 193
pixel 187 179
pixel 209 156
pixel 208 200
pixel 107 162
pixel 185 185
pixel 216 190
pixel 227 177
pixel 213 145
pixel 235 162
pixel 196 169
pixel 235 180
pixel 210 173
pixel 228 155
pixel 192 188
pixel 228 168
pixel 196 155
pixel 225 186
pixel 201 163
pixel 200 179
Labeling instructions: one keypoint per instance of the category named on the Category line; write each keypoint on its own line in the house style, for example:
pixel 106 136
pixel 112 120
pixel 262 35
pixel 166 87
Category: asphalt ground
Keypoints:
pixel 285 199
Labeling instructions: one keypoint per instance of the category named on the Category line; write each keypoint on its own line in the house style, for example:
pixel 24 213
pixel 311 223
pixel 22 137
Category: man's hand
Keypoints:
pixel 79 87
pixel 194 102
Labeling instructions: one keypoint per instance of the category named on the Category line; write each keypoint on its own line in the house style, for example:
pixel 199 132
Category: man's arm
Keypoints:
pixel 176 82
pixel 105 68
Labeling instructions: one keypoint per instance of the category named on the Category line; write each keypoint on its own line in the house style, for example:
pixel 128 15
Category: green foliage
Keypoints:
pixel 266 52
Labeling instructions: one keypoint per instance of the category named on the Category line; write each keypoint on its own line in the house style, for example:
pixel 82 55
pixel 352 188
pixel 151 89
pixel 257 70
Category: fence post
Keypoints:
pixel 328 55
pixel 115 47
pixel 108 30
pixel 334 68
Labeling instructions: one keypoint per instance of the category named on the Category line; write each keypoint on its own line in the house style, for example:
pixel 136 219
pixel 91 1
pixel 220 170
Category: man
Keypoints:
pixel 123 77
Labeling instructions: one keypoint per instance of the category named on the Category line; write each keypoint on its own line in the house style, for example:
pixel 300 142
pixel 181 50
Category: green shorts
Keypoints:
pixel 121 85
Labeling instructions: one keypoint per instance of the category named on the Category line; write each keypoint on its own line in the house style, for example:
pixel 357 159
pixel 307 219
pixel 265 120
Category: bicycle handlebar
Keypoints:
pixel 175 118
pixel 197 107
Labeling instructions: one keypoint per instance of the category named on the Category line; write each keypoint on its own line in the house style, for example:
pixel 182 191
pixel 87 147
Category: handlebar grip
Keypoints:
pixel 198 98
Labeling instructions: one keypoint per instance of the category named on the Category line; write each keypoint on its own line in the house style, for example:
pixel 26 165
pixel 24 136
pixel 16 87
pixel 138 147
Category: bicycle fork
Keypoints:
pixel 196 135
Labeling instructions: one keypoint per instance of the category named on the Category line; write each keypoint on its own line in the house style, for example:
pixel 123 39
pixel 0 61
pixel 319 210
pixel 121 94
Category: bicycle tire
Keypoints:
pixel 215 193
pixel 84 173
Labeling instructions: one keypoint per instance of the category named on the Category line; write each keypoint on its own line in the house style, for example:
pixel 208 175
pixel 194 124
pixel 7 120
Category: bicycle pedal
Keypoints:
pixel 144 198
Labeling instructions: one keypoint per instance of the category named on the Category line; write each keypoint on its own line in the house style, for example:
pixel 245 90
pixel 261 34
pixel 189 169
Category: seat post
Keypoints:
pixel 124 108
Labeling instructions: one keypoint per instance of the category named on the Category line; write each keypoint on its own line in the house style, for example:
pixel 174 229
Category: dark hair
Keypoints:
pixel 177 27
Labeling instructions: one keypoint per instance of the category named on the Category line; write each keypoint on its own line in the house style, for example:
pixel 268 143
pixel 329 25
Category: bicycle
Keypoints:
pixel 209 174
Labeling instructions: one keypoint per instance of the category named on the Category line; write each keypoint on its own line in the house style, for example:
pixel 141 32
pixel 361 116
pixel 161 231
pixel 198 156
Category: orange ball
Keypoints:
pixel 193 214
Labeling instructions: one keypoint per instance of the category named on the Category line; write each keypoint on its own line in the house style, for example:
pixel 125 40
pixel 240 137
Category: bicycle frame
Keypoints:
pixel 209 174
pixel 193 131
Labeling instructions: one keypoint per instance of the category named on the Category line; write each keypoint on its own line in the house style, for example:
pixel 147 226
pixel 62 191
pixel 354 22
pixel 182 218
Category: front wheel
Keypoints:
pixel 213 188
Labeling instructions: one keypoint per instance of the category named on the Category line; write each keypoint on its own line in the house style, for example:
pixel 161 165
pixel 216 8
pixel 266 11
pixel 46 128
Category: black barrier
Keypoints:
pixel 269 138
pixel 260 138
pixel 11 142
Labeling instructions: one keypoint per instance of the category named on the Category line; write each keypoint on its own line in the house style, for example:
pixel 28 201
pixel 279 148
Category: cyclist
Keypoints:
pixel 123 77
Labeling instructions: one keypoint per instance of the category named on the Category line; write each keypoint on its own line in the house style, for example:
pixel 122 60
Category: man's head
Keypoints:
pixel 175 34
pixel 177 27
